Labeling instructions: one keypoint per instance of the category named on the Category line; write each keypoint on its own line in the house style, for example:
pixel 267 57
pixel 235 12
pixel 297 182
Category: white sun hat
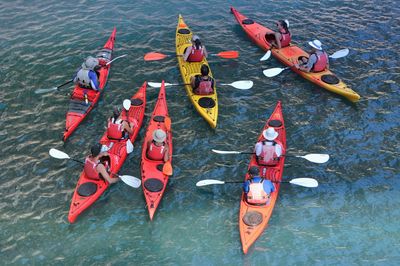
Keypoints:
pixel 316 44
pixel 159 135
pixel 270 133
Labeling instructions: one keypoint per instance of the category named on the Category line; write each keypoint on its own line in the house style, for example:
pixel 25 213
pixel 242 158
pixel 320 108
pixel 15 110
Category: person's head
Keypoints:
pixel 90 63
pixel 254 171
pixel 116 113
pixel 270 134
pixel 283 24
pixel 316 45
pixel 204 70
pixel 159 136
pixel 95 149
pixel 196 41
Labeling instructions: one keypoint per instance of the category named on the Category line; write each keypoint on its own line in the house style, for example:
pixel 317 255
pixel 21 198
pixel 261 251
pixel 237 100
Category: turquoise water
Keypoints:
pixel 351 218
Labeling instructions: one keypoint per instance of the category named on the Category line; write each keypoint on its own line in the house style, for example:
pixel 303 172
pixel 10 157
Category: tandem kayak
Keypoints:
pixel 154 181
pixel 206 105
pixel 88 190
pixel 83 100
pixel 289 56
pixel 254 219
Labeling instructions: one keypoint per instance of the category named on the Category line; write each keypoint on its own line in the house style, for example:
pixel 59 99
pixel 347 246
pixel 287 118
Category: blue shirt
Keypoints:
pixel 267 185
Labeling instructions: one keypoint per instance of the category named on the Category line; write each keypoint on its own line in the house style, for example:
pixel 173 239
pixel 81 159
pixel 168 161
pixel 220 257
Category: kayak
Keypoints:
pixel 206 105
pixel 289 56
pixel 88 190
pixel 253 219
pixel 154 181
pixel 83 100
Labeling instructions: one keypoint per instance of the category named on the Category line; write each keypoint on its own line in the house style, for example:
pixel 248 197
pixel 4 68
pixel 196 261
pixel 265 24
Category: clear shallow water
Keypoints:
pixel 351 218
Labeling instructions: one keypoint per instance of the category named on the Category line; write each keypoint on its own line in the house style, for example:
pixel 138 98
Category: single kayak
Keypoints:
pixel 88 190
pixel 253 219
pixel 83 100
pixel 206 105
pixel 289 56
pixel 154 181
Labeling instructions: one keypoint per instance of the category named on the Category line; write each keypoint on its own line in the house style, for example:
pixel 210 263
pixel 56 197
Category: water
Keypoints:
pixel 351 218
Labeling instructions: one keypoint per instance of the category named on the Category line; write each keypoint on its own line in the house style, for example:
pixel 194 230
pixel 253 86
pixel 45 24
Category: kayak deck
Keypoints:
pixel 206 105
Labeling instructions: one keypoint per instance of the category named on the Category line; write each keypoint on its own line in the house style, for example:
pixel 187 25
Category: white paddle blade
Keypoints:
pixel 340 53
pixel 126 104
pixel 116 59
pixel 154 84
pixel 58 154
pixel 39 91
pixel 241 84
pixel 316 158
pixel 272 72
pixel 304 182
pixel 207 182
pixel 129 146
pixel 225 152
pixel 266 56
pixel 130 180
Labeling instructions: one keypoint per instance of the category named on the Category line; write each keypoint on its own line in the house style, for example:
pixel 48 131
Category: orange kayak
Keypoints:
pixel 88 190
pixel 289 56
pixel 154 181
pixel 254 219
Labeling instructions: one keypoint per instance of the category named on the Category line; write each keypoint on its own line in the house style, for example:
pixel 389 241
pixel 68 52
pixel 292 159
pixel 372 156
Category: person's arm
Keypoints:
pixel 258 148
pixel 187 53
pixel 93 80
pixel 246 187
pixel 205 52
pixel 268 186
pixel 278 150
pixel 126 127
pixel 193 81
pixel 311 61
pixel 101 169
pixel 166 153
pixel 278 40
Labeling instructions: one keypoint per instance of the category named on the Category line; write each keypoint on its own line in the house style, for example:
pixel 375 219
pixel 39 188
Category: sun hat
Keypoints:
pixel 316 44
pixel 195 37
pixel 254 170
pixel 90 63
pixel 126 104
pixel 270 133
pixel 287 22
pixel 159 135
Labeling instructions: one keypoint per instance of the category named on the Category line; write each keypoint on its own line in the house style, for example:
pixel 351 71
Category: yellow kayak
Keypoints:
pixel 206 105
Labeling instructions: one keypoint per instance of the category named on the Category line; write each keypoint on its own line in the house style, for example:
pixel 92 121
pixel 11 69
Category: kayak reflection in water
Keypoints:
pixel 269 150
pixel 196 52
pixel 282 37
pixel 257 189
pixel 318 60
pixel 157 149
pixel 203 84
pixel 96 163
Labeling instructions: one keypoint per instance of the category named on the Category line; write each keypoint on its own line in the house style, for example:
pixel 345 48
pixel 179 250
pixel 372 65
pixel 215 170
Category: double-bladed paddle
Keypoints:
pixel 304 182
pixel 153 56
pixel 241 84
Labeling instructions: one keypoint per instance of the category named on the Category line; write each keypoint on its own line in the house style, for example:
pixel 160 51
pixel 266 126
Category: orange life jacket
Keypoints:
pixel 204 86
pixel 256 194
pixel 156 152
pixel 90 169
pixel 196 55
pixel 322 62
pixel 285 38
pixel 114 131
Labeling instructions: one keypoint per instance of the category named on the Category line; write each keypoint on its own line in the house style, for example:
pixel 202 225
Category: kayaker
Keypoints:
pixel 203 84
pixel 318 60
pixel 94 168
pixel 269 150
pixel 258 190
pixel 157 149
pixel 86 77
pixel 196 52
pixel 282 37
pixel 116 126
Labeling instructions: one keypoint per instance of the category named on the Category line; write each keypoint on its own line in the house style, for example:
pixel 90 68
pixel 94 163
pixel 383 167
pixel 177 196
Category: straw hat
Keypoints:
pixel 270 133
pixel 316 44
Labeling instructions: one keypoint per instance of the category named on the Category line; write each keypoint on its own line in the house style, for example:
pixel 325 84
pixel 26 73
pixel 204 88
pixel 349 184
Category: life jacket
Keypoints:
pixel 196 55
pixel 114 130
pixel 322 61
pixel 268 155
pixel 285 38
pixel 156 152
pixel 204 86
pixel 256 194
pixel 90 169
pixel 83 79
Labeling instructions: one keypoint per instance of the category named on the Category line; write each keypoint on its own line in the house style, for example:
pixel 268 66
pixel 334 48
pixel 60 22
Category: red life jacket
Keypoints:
pixel 205 87
pixel 285 38
pixel 268 155
pixel 114 131
pixel 156 152
pixel 196 55
pixel 90 169
pixel 322 61
pixel 256 194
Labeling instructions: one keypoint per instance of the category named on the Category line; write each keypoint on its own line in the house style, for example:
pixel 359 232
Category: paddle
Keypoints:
pixel 313 157
pixel 167 122
pixel 127 179
pixel 241 84
pixel 266 56
pixel 167 169
pixel 335 55
pixel 272 72
pixel 153 56
pixel 39 91
pixel 304 182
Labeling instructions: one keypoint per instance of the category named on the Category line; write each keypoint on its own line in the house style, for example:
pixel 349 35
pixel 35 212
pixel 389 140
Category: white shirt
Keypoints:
pixel 259 146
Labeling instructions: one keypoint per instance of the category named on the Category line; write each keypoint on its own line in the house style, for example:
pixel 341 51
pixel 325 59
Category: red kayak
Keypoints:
pixel 254 219
pixel 83 100
pixel 154 180
pixel 88 190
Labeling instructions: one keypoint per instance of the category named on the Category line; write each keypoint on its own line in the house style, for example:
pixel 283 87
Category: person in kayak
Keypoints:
pixel 86 77
pixel 157 149
pixel 269 150
pixel 93 168
pixel 117 126
pixel 257 190
pixel 203 84
pixel 196 52
pixel 282 37
pixel 318 60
